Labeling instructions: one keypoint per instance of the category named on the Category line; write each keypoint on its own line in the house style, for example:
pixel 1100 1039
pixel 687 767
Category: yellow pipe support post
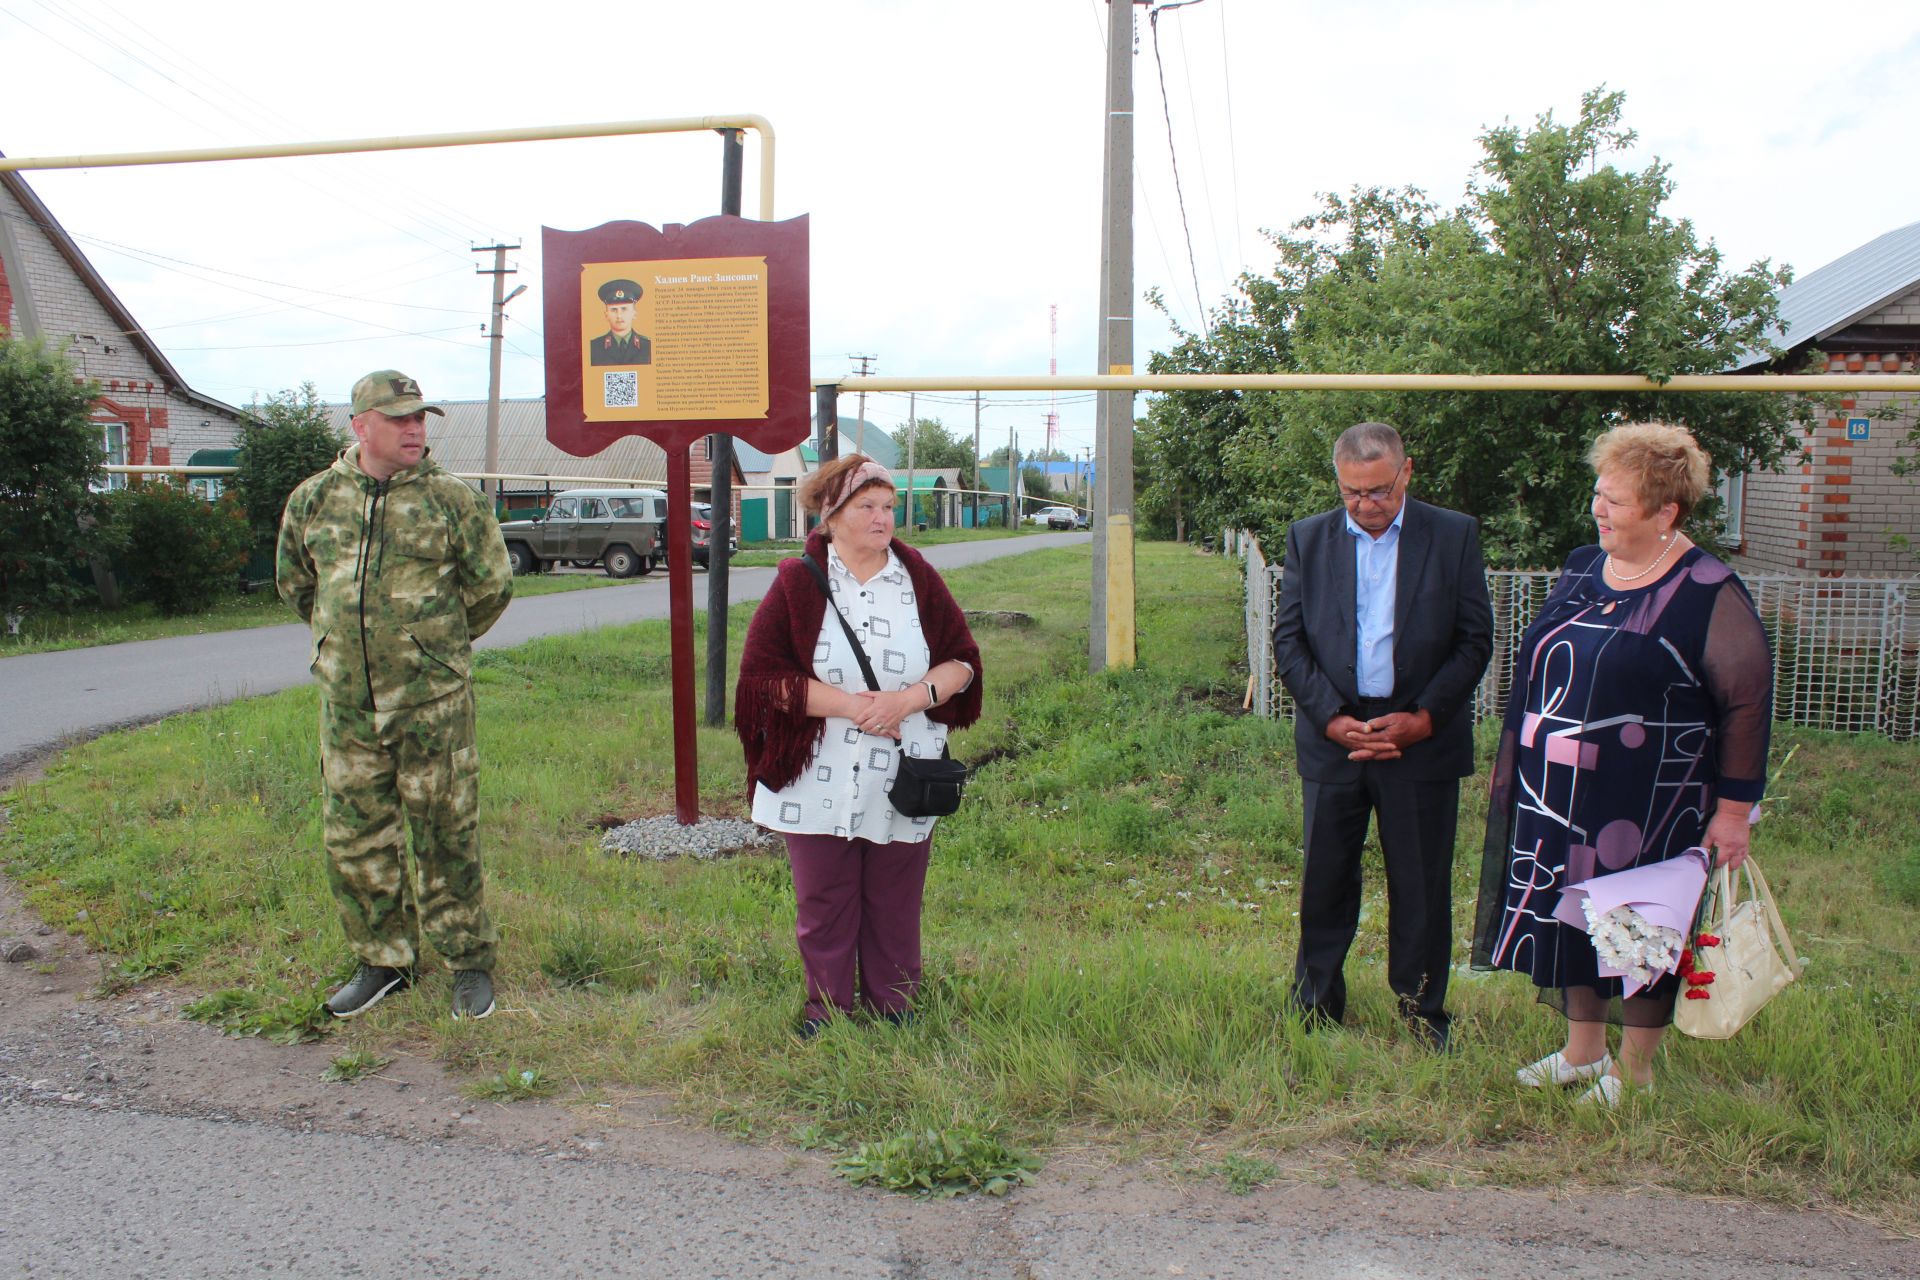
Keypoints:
pixel 1120 603
pixel 1707 382
pixel 413 142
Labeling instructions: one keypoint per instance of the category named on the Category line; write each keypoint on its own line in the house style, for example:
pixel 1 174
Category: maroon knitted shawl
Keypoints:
pixel 770 700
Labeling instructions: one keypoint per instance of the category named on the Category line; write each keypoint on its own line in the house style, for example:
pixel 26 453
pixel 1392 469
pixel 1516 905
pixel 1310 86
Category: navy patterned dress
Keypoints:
pixel 1633 712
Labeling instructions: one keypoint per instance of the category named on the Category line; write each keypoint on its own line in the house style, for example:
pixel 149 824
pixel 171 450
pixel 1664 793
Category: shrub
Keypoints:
pixel 179 552
pixel 50 459
pixel 291 440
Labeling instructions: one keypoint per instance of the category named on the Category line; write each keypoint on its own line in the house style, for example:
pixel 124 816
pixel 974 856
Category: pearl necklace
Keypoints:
pixel 1672 542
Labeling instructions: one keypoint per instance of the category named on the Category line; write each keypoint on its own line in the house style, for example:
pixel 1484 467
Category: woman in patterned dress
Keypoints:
pixel 823 749
pixel 1636 729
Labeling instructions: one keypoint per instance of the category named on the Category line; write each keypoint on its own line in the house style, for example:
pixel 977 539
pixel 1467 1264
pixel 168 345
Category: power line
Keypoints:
pixel 1153 21
pixel 331 193
pixel 1200 146
pixel 334 342
pixel 168 263
pixel 1233 155
pixel 247 110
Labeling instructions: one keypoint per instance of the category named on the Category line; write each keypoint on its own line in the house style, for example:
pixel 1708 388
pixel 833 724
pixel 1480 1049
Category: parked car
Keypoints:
pixel 617 529
pixel 1057 517
pixel 703 533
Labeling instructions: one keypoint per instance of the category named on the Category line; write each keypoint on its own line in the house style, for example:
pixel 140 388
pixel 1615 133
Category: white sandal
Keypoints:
pixel 1609 1090
pixel 1555 1069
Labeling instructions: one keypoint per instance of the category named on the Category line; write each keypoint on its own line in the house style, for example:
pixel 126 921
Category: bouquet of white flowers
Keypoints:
pixel 1638 918
pixel 1631 944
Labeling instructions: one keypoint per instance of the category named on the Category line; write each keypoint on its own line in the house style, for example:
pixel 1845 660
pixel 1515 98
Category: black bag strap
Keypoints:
pixel 820 576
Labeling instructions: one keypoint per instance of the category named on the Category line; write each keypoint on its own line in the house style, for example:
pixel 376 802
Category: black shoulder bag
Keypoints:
pixel 921 788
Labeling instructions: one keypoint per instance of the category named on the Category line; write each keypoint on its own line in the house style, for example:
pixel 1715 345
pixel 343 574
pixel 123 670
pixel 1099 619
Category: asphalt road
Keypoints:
pixel 52 699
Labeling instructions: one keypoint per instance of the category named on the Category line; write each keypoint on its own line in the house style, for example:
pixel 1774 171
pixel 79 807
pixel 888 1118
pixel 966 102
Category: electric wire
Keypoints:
pixel 336 194
pixel 1200 149
pixel 247 110
pixel 1233 153
pixel 1153 22
pixel 334 342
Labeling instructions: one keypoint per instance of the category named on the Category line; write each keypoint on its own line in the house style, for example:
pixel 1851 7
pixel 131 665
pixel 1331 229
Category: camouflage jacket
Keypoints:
pixel 396 578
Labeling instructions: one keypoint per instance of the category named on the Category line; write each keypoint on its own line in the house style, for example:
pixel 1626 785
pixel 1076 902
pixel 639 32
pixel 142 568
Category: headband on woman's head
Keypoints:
pixel 857 479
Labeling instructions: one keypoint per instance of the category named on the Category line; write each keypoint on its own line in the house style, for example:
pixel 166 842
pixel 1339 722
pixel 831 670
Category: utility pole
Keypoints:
pixel 720 485
pixel 860 421
pixel 1110 631
pixel 499 271
pixel 973 495
pixel 913 434
pixel 1013 479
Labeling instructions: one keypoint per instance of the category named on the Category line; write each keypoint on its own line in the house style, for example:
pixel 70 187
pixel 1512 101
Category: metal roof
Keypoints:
pixel 459 443
pixel 1852 286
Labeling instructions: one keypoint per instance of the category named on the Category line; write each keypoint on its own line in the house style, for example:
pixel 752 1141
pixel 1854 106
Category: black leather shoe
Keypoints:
pixel 472 993
pixel 900 1017
pixel 370 984
pixel 810 1027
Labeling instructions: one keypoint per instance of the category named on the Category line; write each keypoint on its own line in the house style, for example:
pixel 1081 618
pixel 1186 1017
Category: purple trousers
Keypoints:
pixel 859 920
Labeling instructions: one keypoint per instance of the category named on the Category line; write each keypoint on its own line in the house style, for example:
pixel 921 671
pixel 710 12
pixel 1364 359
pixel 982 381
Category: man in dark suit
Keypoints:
pixel 1383 631
pixel 620 344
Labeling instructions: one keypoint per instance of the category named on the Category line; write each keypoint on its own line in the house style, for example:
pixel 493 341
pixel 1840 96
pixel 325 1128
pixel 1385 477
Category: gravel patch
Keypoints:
pixel 664 837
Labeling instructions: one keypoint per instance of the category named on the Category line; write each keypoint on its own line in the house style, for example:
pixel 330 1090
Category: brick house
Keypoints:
pixel 50 291
pixel 1843 510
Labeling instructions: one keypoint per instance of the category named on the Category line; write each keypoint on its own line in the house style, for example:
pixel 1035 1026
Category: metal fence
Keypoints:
pixel 1846 650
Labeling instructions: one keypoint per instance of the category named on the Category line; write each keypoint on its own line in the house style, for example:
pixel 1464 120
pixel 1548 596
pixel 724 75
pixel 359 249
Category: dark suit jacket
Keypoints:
pixel 1442 637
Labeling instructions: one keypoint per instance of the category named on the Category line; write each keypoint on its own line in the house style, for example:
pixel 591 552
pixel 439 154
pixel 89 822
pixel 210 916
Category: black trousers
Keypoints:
pixel 1416 825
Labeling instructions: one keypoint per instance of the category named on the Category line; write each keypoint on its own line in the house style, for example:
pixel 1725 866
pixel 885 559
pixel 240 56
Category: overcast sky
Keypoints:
pixel 948 154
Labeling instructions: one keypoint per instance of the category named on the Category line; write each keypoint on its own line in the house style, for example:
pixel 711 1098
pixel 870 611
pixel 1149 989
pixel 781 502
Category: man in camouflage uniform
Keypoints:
pixel 397 566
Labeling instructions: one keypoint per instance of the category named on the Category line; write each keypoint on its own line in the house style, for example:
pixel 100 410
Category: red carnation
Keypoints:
pixel 1708 940
pixel 1700 978
pixel 1695 993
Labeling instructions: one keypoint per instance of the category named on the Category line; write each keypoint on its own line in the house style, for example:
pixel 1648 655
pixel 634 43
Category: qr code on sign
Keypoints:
pixel 622 390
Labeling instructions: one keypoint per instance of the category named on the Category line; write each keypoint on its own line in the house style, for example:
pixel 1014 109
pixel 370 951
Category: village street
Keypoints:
pixel 138 1144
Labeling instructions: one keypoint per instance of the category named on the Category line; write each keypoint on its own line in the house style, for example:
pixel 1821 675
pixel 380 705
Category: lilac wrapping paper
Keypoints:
pixel 1665 893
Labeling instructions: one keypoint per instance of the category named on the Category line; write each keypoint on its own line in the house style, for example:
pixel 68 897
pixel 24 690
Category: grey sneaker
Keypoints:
pixel 472 993
pixel 368 987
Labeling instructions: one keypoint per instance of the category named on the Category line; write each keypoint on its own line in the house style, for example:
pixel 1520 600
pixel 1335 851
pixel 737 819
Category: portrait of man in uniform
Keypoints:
pixel 620 344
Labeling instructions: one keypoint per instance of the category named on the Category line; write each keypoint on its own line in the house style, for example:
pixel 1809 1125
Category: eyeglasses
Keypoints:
pixel 1371 495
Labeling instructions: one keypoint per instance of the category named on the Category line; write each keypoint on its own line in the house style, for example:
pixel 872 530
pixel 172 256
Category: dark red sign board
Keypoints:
pixel 696 329
pixel 673 335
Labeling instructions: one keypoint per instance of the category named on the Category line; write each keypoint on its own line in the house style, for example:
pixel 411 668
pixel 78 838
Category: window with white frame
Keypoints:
pixel 1732 492
pixel 113 443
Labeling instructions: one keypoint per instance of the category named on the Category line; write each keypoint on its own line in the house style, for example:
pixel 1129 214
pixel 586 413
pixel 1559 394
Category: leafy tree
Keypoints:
pixel 289 440
pixel 178 550
pixel 935 449
pixel 50 460
pixel 1556 262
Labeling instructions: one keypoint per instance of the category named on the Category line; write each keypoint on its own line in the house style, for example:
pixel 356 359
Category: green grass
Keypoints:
pixel 356 1064
pixel 85 626
pixel 1109 931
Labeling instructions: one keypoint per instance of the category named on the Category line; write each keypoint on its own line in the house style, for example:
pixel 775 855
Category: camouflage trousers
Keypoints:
pixel 388 772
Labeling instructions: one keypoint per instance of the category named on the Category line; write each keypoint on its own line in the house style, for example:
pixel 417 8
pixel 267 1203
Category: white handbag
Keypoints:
pixel 1751 958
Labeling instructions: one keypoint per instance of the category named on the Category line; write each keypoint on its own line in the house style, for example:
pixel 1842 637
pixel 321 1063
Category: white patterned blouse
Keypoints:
pixel 843 790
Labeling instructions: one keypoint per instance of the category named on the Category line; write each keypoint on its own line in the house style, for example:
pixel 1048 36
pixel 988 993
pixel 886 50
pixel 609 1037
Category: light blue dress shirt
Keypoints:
pixel 1376 575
